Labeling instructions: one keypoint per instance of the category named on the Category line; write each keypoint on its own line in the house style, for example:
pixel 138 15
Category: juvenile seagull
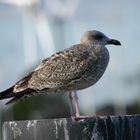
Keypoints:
pixel 75 68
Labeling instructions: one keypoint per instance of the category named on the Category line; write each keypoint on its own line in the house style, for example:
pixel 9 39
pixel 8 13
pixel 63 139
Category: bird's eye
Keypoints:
pixel 97 36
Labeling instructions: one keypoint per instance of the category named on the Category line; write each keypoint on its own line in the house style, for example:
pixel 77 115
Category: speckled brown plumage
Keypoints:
pixel 75 68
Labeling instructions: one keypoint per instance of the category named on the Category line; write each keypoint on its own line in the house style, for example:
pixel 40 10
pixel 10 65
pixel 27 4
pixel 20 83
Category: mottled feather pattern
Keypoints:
pixel 23 83
pixel 60 69
pixel 66 68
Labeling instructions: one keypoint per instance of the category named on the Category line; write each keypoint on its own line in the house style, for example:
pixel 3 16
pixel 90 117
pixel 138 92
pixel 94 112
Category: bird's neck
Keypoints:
pixel 96 48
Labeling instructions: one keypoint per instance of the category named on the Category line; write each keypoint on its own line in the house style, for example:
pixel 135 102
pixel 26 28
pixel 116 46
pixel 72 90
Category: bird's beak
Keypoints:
pixel 113 42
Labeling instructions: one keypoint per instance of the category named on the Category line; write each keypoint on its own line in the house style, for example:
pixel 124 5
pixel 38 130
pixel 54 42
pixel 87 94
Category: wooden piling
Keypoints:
pixel 92 128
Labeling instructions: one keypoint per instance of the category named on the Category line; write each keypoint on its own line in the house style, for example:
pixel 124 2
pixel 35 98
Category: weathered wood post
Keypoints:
pixel 93 128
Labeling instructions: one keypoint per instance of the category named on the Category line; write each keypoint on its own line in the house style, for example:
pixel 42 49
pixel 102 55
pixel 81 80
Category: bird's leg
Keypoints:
pixel 70 104
pixel 77 114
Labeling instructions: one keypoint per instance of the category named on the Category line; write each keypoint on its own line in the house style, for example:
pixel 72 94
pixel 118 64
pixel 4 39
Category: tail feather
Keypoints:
pixel 7 93
pixel 16 96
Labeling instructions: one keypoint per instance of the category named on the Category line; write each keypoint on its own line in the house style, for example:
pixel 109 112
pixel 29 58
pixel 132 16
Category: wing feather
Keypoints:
pixel 61 68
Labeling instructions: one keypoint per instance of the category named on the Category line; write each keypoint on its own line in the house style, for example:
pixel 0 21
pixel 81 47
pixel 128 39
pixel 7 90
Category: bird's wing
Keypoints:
pixel 59 69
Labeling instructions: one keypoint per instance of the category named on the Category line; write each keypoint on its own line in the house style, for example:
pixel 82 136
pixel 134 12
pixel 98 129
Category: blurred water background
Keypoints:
pixel 31 30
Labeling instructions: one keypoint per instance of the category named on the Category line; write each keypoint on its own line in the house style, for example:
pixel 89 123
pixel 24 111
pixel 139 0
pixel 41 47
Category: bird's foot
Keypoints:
pixel 78 116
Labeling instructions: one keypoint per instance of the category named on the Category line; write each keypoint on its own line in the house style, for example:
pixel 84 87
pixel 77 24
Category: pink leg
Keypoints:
pixel 70 104
pixel 77 114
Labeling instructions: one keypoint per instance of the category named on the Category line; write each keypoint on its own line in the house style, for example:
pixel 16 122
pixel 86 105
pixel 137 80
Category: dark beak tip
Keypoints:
pixel 117 43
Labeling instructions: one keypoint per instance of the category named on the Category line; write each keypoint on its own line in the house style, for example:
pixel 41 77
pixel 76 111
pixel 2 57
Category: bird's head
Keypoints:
pixel 97 39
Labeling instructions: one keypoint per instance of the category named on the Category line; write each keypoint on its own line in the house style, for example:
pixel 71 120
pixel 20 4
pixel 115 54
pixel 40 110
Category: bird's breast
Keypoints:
pixel 95 71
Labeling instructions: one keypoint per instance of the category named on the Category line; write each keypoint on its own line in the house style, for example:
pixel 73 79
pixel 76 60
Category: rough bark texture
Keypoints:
pixel 92 128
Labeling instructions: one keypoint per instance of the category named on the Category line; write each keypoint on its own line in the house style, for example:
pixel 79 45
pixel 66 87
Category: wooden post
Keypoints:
pixel 92 128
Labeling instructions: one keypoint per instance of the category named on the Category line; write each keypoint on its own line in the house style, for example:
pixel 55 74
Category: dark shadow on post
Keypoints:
pixel 98 128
